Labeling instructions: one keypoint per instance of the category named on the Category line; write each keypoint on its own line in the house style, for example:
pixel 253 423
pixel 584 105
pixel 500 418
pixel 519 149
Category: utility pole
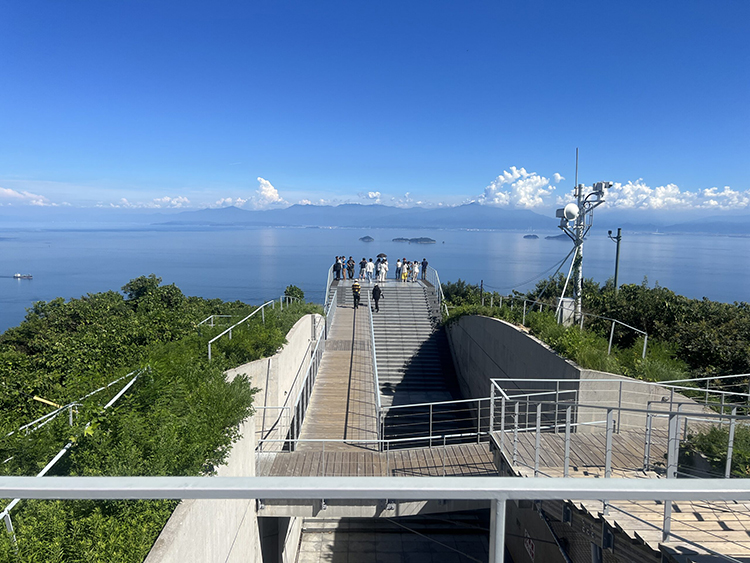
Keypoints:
pixel 616 239
pixel 481 291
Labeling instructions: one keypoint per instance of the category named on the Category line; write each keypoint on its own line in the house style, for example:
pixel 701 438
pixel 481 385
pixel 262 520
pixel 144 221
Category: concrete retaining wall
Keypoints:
pixel 485 348
pixel 227 530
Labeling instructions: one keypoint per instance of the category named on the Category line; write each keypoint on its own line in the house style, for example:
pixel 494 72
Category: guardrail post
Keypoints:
pixel 557 398
pixel 671 470
pixel 647 445
pixel 479 419
pixel 230 334
pixel 430 424
pixel 523 321
pixel 608 447
pixel 212 321
pixel 263 313
pixel 538 438
pixel 645 343
pixel 444 454
pixel 730 444
pixel 209 351
pixel 567 440
pixel 497 531
pixel 492 409
pixel 515 436
pixel 611 336
pixel 502 425
pixel 619 409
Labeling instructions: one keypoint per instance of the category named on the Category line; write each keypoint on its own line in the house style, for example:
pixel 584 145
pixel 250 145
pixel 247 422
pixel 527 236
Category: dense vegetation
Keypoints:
pixel 179 418
pixel 686 337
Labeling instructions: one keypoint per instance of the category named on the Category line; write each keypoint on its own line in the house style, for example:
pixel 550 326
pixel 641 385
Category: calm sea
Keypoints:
pixel 254 265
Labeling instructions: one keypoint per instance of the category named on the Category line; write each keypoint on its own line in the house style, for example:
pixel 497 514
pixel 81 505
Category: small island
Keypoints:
pixel 418 240
pixel 367 238
pixel 530 236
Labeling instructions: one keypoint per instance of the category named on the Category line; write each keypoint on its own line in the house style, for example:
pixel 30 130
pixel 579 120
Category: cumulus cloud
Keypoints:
pixel 266 195
pixel 12 197
pixel 557 177
pixel 229 201
pixel 370 196
pixel 639 195
pixel 518 188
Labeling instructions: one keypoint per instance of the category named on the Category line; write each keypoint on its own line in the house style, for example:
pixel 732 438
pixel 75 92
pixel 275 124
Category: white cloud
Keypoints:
pixel 166 202
pixel 517 188
pixel 639 195
pixel 267 196
pixel 371 196
pixel 10 197
pixel 557 177
pixel 228 201
pixel 305 202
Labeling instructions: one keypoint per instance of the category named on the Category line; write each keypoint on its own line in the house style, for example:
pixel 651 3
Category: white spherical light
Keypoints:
pixel 571 212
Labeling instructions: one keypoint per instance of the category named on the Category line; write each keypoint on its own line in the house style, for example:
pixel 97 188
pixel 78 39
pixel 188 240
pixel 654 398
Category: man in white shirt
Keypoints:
pixel 369 270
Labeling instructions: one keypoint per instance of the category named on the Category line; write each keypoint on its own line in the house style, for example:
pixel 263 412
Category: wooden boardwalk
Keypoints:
pixel 342 404
pixel 723 527
pixel 587 452
pixel 455 460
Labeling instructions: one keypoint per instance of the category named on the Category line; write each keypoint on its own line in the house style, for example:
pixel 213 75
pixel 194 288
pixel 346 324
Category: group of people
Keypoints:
pixel 405 271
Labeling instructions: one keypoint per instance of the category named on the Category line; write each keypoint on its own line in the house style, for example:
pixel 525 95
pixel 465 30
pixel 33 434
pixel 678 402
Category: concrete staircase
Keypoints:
pixel 414 360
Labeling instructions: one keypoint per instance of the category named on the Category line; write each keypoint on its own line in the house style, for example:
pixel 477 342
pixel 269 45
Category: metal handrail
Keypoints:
pixel 329 281
pixel 433 277
pixel 376 382
pixel 212 317
pixel 229 330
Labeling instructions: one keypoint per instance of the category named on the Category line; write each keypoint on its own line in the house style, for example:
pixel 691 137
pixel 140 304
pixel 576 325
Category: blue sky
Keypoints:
pixel 262 104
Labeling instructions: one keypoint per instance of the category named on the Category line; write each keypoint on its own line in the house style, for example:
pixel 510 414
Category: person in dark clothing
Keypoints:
pixel 350 267
pixel 377 294
pixel 362 266
pixel 424 268
pixel 356 293
pixel 337 268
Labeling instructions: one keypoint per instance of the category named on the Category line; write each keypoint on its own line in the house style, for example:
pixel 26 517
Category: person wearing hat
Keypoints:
pixel 356 288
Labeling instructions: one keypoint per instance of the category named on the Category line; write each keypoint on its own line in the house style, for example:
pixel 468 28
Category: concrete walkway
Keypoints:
pixel 342 404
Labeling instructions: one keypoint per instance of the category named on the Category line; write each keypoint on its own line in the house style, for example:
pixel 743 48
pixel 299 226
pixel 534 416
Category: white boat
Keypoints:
pixel 22 276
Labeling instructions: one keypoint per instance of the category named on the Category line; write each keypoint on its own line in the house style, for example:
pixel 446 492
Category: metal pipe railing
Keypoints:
pixel 229 330
pixel 375 380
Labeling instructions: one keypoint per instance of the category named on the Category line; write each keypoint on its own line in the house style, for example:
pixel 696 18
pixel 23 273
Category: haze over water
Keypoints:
pixel 256 264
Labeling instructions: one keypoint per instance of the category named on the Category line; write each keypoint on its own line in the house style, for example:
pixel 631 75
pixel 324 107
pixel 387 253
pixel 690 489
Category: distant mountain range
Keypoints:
pixel 470 216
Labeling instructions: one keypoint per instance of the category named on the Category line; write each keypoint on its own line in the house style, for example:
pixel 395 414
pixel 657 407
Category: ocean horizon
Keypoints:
pixel 254 264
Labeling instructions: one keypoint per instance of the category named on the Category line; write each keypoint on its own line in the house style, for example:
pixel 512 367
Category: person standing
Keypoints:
pixel 337 268
pixel 342 259
pixel 369 270
pixel 383 270
pixel 350 267
pixel 377 293
pixel 424 268
pixel 356 288
pixel 404 271
pixel 398 269
pixel 415 271
pixel 362 268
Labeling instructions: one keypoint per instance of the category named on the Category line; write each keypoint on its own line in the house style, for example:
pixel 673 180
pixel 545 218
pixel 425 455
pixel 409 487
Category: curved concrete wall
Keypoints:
pixel 485 348
pixel 227 530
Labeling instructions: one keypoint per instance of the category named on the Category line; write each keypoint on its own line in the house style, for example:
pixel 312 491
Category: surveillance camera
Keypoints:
pixel 609 233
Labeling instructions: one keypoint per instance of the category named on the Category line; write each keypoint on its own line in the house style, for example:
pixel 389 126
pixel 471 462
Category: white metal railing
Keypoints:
pixel 497 490
pixel 38 423
pixel 330 312
pixel 260 310
pixel 210 319
pixel 375 380
pixel 5 514
pixel 433 277
pixel 329 281
pixel 302 401
pixel 458 420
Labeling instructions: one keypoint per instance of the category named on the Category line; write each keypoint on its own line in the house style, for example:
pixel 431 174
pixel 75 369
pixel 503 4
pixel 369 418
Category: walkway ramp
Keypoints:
pixel 342 404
